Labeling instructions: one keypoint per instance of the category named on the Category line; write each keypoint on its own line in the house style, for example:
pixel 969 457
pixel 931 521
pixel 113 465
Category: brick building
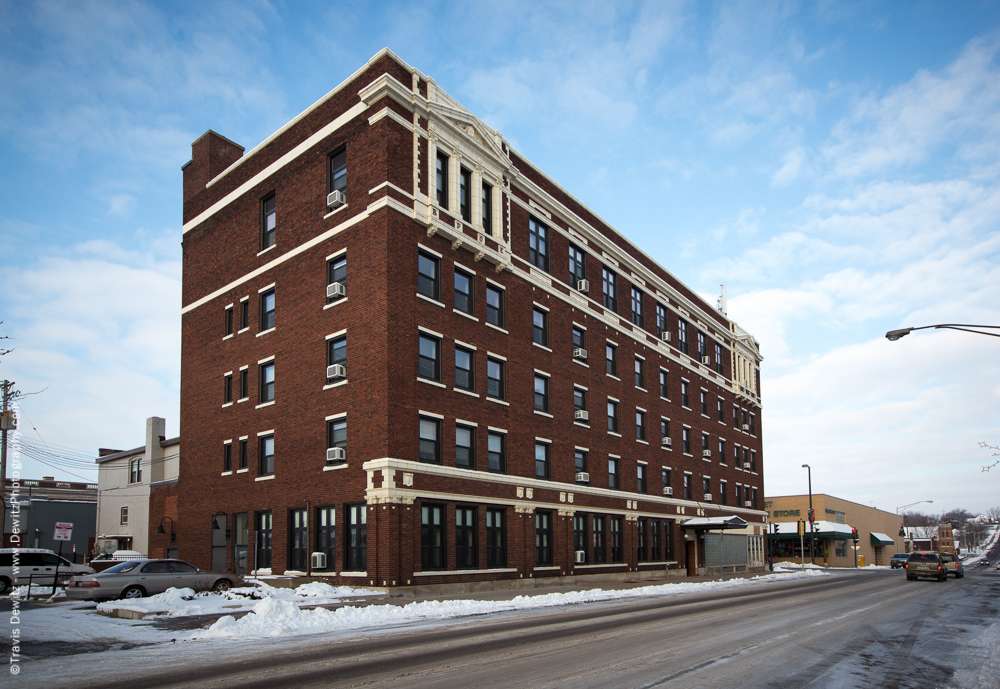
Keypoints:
pixel 406 348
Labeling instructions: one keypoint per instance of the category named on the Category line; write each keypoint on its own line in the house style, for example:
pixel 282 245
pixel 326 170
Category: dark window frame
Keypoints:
pixel 465 300
pixel 265 460
pixel 609 286
pixel 469 374
pixel 541 396
pixel 268 221
pixel 429 448
pixel 540 326
pixel 638 312
pixel 496 386
pixel 433 543
pixel 268 317
pixel 428 285
pixel 441 179
pixel 538 244
pixel 267 388
pixel 465 194
pixel 428 367
pixel 543 464
pixel 496 460
pixel 495 312
pixel 469 461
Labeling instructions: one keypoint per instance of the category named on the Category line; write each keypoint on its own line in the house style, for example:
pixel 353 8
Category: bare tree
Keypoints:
pixel 919 519
pixel 994 514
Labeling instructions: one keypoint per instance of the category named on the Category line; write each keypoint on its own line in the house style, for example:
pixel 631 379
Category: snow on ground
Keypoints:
pixel 985 652
pixel 794 566
pixel 274 617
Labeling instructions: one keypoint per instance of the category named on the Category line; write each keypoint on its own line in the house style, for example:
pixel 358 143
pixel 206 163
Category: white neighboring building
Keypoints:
pixel 124 479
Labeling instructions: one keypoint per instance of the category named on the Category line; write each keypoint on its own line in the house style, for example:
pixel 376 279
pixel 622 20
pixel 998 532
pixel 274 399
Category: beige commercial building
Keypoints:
pixel 835 520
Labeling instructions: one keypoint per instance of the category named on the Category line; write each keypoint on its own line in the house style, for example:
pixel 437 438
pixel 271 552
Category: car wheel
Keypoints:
pixel 4 585
pixel 134 592
pixel 959 575
pixel 222 585
pixel 943 577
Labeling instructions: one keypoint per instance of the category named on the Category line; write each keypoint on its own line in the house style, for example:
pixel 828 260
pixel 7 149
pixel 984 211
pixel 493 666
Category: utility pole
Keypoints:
pixel 5 424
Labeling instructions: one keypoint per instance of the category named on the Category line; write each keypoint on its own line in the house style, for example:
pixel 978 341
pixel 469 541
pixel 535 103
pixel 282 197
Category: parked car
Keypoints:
pixel 141 578
pixel 920 565
pixel 954 565
pixel 898 560
pixel 36 565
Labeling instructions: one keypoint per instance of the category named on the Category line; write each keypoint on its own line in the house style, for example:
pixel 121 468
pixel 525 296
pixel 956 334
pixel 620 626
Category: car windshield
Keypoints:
pixel 123 567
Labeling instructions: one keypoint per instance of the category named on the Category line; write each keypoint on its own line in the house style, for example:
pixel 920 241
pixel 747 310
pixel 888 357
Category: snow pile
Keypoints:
pixel 793 566
pixel 38 591
pixel 184 601
pixel 985 652
pixel 274 617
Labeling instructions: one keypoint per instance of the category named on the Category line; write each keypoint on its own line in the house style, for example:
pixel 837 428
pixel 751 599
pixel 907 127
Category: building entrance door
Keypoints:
pixel 692 558
pixel 219 545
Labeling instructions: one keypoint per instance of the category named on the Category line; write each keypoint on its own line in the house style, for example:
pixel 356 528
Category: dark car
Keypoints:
pixel 925 565
pixel 140 578
pixel 898 560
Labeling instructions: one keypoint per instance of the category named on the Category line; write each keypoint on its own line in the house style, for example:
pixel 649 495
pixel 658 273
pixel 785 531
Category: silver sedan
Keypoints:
pixel 140 578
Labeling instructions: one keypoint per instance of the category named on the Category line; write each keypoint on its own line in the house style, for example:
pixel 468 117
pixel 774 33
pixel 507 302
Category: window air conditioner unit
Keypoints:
pixel 579 353
pixel 665 336
pixel 748 503
pixel 335 290
pixel 581 415
pixel 581 557
pixel 336 371
pixel 335 454
pixel 706 453
pixel 746 465
pixel 668 490
pixel 335 199
pixel 708 497
pixel 319 560
pixel 582 477
pixel 666 441
pixel 706 360
pixel 583 285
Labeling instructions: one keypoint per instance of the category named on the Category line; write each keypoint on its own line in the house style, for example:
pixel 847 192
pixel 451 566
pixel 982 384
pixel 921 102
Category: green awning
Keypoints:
pixel 881 539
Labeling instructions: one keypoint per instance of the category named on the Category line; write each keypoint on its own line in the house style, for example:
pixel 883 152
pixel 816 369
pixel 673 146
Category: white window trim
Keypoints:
pixel 338 254
pixel 429 250
pixel 428 331
pixel 264 361
pixel 342 415
pixel 270 432
pixel 264 289
pixel 440 417
pixel 336 334
pixel 466 345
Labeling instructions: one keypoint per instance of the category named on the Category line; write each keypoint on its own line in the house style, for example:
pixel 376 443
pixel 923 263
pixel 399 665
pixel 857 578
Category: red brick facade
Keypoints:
pixel 387 219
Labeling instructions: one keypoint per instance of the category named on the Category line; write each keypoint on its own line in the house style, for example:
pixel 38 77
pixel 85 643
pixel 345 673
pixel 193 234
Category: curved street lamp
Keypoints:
pixel 159 529
pixel 894 335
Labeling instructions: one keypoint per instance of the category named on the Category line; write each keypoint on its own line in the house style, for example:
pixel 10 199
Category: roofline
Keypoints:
pixel 128 453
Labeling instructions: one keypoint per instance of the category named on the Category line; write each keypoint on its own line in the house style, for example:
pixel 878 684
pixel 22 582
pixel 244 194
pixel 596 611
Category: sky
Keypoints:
pixel 835 164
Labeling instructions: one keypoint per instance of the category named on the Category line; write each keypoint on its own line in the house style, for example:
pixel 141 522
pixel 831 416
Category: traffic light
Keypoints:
pixel 854 535
pixel 812 516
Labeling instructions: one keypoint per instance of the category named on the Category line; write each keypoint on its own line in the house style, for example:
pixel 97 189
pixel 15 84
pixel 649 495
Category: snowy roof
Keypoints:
pixel 732 522
pixel 921 531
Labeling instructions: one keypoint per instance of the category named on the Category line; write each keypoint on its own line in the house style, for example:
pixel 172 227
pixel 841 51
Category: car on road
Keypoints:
pixel 954 565
pixel 141 578
pixel 898 560
pixel 34 565
pixel 918 565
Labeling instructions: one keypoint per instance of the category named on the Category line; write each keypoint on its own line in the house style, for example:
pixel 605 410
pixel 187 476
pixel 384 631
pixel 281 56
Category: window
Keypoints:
pixel 723 498
pixel 428 274
pixel 266 455
pixel 326 534
pixel 661 319
pixel 706 486
pixel 753 500
pixel 640 425
pixel 338 172
pixel 617 553
pixel 579 342
pixel 429 358
pixel 753 426
pixel 540 327
pixel 465 194
pixel 266 310
pixel 227 457
pixel 124 516
pixel 739 495
pixel 682 336
pixel 298 543
pixel 487 209
pixel 664 428
pixel 244 384
pixel 664 384
pixel 541 393
pixel 336 436
pixel 641 555
pixel 465 538
pixel 496 543
pixel 702 346
pixel 543 539
pixel 356 553
pixel 719 367
pixel 465 290
pixel 668 540
pixel 637 313
pixel 496 456
pixel 641 478
pixel 612 416
pixel 241 540
pixel 262 557
pixel 465 368
pixel 336 273
pixel 722 451
pixel 541 460
pixel 442 180
pixel 580 460
pixel 228 328
pixel 613 473
pixel 685 396
pixel 640 373
pixel 494 378
pixel 611 354
pixel 753 461
pixel 580 533
pixel 597 528
pixel 608 281
pixel 721 410
pixel 736 457
pixel 687 487
pixel 244 453
pixel 465 447
pixel 654 540
pixel 579 399
pixel 336 353
pixel 431 537
pixel 704 403
pixel 577 266
pixel 686 440
pixel 430 440
pixel 494 306
pixel 267 222
pixel 267 382
pixel 538 245
pixel 840 548
pixel 665 477
pixel 736 416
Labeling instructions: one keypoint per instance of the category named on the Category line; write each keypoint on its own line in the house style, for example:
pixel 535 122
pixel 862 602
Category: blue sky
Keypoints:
pixel 834 163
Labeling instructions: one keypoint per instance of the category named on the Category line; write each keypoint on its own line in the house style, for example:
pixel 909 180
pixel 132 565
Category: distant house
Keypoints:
pixel 127 481
pixel 939 539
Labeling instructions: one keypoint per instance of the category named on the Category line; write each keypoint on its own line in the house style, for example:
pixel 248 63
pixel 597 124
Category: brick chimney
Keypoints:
pixel 211 153
pixel 156 429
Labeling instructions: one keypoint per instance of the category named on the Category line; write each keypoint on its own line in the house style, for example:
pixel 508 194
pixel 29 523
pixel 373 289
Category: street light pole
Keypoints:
pixel 894 335
pixel 812 531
